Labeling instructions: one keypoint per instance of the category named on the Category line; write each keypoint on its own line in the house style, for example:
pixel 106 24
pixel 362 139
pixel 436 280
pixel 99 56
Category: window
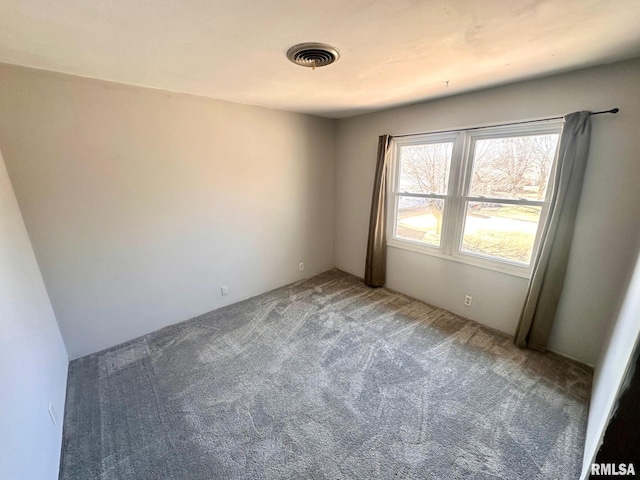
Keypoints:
pixel 479 196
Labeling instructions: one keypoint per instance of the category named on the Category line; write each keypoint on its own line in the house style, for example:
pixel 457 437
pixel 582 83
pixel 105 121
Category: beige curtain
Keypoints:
pixel 550 265
pixel 375 270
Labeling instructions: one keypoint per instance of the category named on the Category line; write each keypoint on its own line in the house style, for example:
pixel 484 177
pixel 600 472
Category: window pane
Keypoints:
pixel 516 167
pixel 425 168
pixel 501 231
pixel 420 219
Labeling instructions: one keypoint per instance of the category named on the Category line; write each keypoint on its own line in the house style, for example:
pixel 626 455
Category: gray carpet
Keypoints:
pixel 325 378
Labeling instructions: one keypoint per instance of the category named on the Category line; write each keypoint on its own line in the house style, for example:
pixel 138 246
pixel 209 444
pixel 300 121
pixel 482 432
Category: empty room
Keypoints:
pixel 341 240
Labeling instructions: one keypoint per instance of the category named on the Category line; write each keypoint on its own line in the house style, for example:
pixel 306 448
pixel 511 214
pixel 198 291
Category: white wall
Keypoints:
pixel 33 359
pixel 610 372
pixel 607 224
pixel 140 203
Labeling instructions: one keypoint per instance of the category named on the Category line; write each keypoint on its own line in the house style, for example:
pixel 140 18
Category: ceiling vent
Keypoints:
pixel 313 55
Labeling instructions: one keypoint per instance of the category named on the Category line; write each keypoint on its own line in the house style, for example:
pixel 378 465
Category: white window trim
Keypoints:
pixel 457 195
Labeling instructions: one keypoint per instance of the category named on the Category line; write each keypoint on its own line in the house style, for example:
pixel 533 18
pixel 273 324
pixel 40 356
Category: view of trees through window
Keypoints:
pixel 503 205
pixel 516 168
pixel 513 167
pixel 424 169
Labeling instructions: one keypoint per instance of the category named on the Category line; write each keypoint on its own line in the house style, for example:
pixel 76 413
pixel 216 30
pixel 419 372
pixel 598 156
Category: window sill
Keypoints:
pixel 522 272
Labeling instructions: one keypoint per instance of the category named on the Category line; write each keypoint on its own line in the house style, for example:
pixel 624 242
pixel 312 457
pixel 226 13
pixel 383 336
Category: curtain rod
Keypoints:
pixel 613 110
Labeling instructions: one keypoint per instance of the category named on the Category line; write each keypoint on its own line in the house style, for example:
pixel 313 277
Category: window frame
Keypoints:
pixel 458 195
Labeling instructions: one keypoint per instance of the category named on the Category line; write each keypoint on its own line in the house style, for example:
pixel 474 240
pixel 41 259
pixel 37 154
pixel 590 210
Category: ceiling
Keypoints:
pixel 393 52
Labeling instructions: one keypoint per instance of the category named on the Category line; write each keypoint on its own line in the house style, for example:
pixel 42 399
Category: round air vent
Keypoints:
pixel 313 55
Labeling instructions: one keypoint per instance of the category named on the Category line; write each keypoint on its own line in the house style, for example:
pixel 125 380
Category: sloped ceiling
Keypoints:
pixel 394 52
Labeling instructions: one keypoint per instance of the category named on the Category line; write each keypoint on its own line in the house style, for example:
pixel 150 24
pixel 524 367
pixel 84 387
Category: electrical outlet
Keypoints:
pixel 52 414
pixel 467 300
pixel 301 266
pixel 224 290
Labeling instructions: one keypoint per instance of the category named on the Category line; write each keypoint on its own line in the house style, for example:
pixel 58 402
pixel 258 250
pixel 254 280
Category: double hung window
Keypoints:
pixel 479 196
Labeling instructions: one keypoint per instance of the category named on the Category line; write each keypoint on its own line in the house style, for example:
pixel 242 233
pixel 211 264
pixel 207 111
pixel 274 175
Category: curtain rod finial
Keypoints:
pixel 613 110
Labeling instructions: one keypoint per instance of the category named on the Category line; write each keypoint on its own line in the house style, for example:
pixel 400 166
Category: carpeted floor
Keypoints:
pixel 325 378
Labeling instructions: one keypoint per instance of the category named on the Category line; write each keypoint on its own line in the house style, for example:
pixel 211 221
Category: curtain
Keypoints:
pixel 375 269
pixel 550 265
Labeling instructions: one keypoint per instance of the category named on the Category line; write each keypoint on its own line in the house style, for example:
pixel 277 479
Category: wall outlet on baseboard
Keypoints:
pixel 301 266
pixel 53 414
pixel 467 300
pixel 224 290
